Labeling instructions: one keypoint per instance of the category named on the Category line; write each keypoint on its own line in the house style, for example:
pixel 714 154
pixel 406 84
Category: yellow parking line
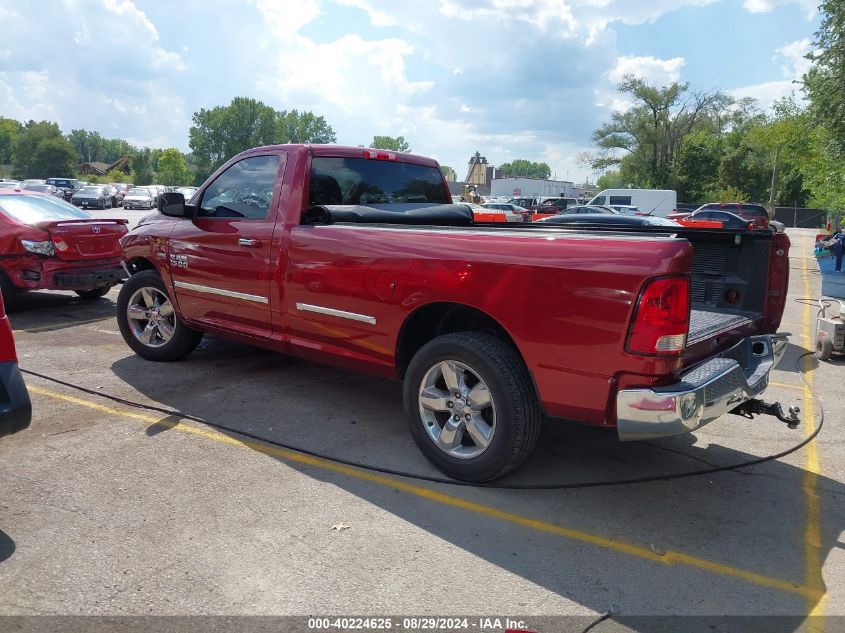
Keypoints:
pixel 813 563
pixel 786 386
pixel 669 557
pixel 56 326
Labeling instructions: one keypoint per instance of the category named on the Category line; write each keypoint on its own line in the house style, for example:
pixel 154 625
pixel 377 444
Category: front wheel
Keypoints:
pixel 96 293
pixel 471 405
pixel 148 322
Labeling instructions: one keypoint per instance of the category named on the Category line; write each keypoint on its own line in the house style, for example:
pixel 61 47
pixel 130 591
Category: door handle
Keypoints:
pixel 245 241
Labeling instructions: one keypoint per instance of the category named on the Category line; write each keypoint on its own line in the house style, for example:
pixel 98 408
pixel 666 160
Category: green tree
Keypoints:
pixel 612 179
pixel 521 168
pixel 57 157
pixel 394 143
pixel 648 135
pixel 697 166
pixel 53 157
pixel 87 144
pixel 219 133
pixel 825 81
pixel 172 168
pixel 303 127
pixel 10 130
pixel 141 164
pixel 115 175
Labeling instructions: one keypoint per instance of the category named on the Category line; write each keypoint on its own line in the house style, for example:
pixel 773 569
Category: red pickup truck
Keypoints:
pixel 357 257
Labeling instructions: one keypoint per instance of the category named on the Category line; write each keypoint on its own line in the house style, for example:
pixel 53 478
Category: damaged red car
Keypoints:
pixel 48 244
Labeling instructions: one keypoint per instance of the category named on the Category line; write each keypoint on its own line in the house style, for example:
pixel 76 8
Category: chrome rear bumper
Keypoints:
pixel 703 393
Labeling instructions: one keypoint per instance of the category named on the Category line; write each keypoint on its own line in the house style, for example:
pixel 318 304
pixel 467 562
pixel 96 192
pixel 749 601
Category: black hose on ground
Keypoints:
pixel 454 482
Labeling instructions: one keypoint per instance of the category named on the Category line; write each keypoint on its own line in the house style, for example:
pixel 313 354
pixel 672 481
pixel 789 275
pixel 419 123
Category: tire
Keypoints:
pixel 824 348
pixel 510 423
pixel 10 294
pixel 92 295
pixel 170 339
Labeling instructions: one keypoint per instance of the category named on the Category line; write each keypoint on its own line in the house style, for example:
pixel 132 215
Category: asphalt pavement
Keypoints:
pixel 107 509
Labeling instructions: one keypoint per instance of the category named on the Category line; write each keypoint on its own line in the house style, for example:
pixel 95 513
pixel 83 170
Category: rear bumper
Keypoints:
pixel 88 280
pixel 703 394
pixel 15 407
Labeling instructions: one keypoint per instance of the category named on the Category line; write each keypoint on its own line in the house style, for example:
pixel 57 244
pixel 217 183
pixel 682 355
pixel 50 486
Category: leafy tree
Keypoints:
pixel 10 130
pixel 611 180
pixel 218 134
pixel 521 168
pixel 303 127
pixel 648 136
pixel 141 164
pixel 697 165
pixel 87 144
pixel 172 168
pixel 726 194
pixel 53 157
pixel 394 143
pixel 115 175
pixel 56 158
pixel 825 81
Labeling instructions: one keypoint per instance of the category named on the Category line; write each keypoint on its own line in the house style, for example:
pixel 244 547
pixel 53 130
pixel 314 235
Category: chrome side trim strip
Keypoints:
pixel 305 307
pixel 223 293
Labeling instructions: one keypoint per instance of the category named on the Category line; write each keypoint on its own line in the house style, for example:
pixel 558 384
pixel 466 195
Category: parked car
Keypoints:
pixel 34 181
pixel 48 244
pixel 50 190
pixel 93 197
pixel 608 219
pixel 728 220
pixel 588 210
pixel 752 211
pixel 69 186
pixel 188 192
pixel 660 202
pixel 122 189
pixel 15 406
pixel 509 212
pixel 492 328
pixel 627 209
pixel 139 198
pixel 10 184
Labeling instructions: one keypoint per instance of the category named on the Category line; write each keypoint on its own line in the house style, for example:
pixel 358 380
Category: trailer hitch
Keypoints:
pixel 750 408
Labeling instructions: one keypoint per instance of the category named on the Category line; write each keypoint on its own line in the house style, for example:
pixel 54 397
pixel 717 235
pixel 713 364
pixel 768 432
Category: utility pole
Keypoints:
pixel 774 179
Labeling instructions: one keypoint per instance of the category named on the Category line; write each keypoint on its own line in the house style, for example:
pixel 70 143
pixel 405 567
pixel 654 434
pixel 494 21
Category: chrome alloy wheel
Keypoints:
pixel 151 317
pixel 456 409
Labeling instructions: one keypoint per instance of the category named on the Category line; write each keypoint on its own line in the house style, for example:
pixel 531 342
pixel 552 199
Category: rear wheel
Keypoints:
pixel 471 405
pixel 96 293
pixel 824 348
pixel 148 322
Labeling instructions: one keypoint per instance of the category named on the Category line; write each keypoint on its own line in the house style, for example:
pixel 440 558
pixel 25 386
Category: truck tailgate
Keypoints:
pixel 738 287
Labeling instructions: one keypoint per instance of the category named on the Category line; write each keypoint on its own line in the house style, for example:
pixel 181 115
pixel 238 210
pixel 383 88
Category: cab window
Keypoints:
pixel 244 190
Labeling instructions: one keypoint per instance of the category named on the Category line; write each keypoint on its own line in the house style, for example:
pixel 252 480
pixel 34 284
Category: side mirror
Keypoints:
pixel 173 204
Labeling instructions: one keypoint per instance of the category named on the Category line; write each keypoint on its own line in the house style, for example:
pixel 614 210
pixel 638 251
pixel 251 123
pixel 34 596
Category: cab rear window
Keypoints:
pixel 361 181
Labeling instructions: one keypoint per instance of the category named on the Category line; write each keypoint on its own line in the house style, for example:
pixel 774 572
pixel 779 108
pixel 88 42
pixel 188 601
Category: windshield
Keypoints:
pixel 139 192
pixel 91 190
pixel 32 209
pixel 59 182
pixel 365 181
pixel 41 188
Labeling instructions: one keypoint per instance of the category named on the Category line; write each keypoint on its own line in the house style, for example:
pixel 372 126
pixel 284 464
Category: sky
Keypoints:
pixel 507 78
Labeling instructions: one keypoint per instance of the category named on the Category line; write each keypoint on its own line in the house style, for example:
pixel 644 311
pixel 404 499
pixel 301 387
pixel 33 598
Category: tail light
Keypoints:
pixel 661 320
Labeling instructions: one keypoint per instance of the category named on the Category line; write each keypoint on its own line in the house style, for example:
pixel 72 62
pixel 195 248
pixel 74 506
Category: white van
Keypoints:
pixel 659 202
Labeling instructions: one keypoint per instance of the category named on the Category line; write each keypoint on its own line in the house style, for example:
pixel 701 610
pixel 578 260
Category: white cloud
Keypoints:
pixel 793 66
pixel 793 58
pixel 767 6
pixel 656 71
